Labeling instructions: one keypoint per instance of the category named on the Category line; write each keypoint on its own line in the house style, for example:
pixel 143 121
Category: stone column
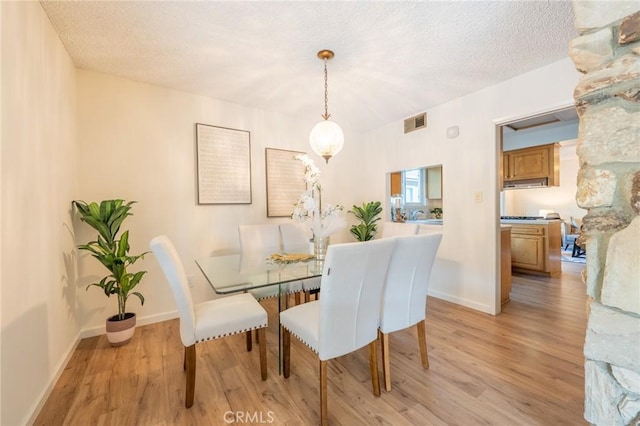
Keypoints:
pixel 607 52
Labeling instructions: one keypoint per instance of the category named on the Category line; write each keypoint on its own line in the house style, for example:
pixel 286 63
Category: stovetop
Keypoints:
pixel 521 217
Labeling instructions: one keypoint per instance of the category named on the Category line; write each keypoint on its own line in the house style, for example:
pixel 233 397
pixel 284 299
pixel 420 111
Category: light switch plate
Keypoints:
pixel 478 197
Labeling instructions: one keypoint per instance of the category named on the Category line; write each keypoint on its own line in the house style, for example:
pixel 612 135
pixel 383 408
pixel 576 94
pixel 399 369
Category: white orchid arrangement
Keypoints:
pixel 324 221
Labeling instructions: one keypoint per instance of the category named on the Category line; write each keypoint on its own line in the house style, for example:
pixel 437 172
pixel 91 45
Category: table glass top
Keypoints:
pixel 236 273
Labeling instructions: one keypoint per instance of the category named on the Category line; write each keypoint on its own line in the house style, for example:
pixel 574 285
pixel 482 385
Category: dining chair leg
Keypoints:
pixel 422 342
pixel 263 352
pixel 373 365
pixel 386 363
pixel 190 361
pixel 323 394
pixel 184 359
pixel 286 352
pixel 249 341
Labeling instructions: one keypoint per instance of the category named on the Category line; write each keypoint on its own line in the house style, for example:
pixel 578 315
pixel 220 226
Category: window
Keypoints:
pixel 413 186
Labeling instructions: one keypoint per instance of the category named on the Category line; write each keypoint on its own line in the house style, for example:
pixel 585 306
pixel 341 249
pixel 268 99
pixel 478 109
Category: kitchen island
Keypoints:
pixel 535 246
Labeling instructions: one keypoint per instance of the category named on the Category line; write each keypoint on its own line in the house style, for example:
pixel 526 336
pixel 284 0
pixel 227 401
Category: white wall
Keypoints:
pixel 40 324
pixel 465 271
pixel 138 143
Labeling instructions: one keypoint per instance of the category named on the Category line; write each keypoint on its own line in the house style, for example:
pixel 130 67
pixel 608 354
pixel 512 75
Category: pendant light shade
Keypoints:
pixel 326 137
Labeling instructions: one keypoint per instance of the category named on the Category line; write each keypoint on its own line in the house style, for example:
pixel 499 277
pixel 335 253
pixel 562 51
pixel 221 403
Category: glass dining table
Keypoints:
pixel 238 273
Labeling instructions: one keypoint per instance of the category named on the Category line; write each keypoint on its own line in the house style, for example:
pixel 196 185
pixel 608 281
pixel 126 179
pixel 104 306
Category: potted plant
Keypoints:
pixel 437 212
pixel 113 253
pixel 368 215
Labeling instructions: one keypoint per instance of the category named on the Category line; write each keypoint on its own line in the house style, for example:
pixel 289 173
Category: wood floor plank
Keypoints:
pixel 524 366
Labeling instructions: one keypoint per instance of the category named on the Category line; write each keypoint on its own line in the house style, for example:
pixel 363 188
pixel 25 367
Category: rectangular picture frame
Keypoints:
pixel 284 181
pixel 223 165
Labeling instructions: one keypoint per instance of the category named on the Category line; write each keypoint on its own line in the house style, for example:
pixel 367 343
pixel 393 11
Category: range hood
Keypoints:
pixel 526 183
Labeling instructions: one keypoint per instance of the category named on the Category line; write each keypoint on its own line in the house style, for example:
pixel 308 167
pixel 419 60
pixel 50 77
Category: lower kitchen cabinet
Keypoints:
pixel 535 248
pixel 527 252
pixel 505 264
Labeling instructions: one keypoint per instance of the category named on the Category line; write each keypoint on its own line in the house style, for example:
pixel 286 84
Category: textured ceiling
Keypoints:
pixel 393 59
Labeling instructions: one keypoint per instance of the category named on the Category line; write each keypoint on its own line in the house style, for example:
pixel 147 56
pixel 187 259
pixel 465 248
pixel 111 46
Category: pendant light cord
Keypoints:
pixel 326 92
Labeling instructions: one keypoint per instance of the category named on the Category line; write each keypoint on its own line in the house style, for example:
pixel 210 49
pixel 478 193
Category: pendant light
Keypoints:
pixel 326 137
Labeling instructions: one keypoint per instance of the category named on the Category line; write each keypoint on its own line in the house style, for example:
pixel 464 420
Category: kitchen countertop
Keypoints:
pixel 527 221
pixel 427 221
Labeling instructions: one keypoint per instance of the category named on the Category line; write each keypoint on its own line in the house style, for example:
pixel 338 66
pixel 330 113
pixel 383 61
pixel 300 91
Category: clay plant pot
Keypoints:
pixel 119 332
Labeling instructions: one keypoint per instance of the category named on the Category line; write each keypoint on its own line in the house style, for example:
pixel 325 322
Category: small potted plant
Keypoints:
pixel 113 253
pixel 368 215
pixel 437 212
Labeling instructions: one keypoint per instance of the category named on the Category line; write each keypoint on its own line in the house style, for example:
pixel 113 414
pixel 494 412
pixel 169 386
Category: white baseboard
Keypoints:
pixel 149 319
pixel 463 302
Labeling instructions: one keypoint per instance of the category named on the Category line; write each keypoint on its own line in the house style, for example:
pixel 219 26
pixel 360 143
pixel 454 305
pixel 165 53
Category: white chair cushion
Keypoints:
pixel 311 283
pixel 228 315
pixel 303 322
pixel 272 290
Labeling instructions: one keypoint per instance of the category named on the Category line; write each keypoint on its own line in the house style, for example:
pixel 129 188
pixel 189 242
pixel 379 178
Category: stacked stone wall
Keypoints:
pixel 607 52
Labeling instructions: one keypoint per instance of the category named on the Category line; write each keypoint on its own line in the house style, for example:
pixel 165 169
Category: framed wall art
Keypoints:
pixel 285 181
pixel 223 165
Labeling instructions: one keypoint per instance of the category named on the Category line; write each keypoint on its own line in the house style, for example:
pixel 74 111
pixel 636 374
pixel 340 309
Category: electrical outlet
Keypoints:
pixel 478 197
pixel 190 280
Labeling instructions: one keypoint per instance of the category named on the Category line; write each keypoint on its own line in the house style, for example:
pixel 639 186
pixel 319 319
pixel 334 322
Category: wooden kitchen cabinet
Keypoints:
pixel 535 248
pixel 533 163
pixel 527 252
pixel 434 183
pixel 505 264
pixel 396 183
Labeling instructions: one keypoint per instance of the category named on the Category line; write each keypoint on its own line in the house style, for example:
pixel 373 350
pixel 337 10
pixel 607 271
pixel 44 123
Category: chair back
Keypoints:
pixel 575 225
pixel 295 236
pixel 259 239
pixel 352 282
pixel 167 256
pixel 407 283
pixel 399 229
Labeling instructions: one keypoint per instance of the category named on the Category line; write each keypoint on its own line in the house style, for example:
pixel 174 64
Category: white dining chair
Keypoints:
pixel 263 239
pixel 259 242
pixel 405 293
pixel 347 315
pixel 208 320
pixel 296 237
pixel 398 229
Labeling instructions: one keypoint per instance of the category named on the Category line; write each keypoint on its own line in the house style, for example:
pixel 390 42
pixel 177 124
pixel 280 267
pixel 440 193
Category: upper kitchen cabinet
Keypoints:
pixel 534 166
pixel 434 183
pixel 396 184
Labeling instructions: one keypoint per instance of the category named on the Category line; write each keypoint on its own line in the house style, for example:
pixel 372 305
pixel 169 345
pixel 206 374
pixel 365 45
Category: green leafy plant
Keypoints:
pixel 368 215
pixel 437 212
pixel 112 252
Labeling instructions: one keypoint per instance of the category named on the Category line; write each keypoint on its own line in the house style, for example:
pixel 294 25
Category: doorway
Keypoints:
pixel 558 127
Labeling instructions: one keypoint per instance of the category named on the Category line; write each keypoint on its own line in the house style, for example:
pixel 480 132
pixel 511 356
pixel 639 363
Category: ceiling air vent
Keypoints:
pixel 416 122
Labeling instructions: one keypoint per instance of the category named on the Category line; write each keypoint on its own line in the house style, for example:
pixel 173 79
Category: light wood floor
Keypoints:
pixel 523 367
